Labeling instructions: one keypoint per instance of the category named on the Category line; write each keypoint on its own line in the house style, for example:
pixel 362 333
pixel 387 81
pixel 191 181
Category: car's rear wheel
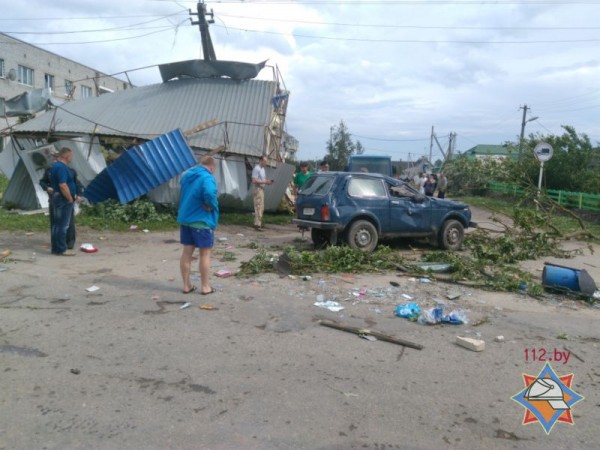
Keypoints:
pixel 362 235
pixel 320 237
pixel 451 235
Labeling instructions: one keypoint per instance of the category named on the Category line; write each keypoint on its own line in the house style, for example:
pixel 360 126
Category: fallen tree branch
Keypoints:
pixel 363 332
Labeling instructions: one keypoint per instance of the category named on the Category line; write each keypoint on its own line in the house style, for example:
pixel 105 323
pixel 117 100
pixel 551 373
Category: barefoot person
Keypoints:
pixel 198 217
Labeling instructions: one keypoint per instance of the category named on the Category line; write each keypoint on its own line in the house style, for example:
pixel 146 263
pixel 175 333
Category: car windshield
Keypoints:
pixel 317 185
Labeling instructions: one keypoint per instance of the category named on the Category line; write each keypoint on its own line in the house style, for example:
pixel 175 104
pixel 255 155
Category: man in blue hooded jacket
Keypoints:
pixel 198 217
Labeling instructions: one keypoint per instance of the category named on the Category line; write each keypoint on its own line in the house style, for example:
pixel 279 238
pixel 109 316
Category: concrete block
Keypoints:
pixel 476 345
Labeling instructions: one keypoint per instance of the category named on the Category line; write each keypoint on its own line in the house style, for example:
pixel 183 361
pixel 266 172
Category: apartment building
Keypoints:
pixel 24 67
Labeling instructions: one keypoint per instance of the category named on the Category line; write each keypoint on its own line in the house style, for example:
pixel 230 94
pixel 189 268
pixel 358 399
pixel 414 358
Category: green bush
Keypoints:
pixel 138 211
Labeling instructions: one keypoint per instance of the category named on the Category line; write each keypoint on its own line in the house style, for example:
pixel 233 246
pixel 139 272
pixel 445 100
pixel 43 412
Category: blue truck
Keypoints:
pixel 370 164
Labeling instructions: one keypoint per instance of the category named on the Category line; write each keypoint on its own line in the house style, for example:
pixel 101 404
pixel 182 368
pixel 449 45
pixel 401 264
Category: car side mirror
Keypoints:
pixel 419 198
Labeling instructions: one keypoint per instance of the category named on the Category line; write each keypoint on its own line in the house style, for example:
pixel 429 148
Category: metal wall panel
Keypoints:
pixel 142 168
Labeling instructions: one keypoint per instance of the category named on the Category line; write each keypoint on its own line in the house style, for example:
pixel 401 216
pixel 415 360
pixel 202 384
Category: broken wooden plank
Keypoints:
pixel 364 332
pixel 201 127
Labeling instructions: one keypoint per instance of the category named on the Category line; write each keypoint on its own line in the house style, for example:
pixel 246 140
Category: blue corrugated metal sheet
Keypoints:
pixel 150 111
pixel 142 168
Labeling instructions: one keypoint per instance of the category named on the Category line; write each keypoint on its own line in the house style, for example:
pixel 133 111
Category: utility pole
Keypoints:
pixel 208 51
pixel 523 122
pixel 431 144
pixel 525 108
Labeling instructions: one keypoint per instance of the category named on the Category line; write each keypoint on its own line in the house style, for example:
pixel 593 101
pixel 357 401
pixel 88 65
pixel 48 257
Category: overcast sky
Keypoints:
pixel 389 69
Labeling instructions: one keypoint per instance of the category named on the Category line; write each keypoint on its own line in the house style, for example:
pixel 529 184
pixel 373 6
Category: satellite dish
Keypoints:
pixel 12 74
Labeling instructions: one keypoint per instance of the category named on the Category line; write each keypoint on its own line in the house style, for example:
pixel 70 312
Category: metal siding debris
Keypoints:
pixel 23 189
pixel 142 168
pixel 150 111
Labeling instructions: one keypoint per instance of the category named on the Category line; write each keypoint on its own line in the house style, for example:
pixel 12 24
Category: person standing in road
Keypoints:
pixel 259 181
pixel 424 179
pixel 430 185
pixel 46 185
pixel 198 216
pixel 64 191
pixel 301 177
pixel 442 185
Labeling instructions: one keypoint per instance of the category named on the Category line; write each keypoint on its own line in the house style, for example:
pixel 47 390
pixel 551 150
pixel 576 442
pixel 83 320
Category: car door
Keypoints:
pixel 407 213
pixel 368 195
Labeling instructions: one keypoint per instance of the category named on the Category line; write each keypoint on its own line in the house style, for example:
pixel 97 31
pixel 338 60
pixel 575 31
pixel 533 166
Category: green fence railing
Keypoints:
pixel 579 200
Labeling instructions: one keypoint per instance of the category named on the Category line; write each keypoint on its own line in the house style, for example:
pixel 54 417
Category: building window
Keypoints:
pixel 69 88
pixel 25 76
pixel 2 73
pixel 86 91
pixel 49 81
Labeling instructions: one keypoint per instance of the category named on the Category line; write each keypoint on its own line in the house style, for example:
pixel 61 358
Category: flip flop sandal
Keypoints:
pixel 212 291
pixel 190 291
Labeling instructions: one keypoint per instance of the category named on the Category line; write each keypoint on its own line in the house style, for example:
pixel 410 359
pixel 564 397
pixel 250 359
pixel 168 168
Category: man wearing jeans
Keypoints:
pixel 259 181
pixel 63 198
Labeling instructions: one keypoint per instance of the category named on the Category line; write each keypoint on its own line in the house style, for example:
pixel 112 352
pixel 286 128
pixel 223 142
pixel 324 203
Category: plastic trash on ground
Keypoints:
pixel 88 248
pixel 436 315
pixel 408 310
pixel 223 273
pixel 431 316
pixel 456 317
pixel 328 304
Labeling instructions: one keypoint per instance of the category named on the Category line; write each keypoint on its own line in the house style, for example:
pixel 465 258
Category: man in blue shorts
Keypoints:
pixel 198 217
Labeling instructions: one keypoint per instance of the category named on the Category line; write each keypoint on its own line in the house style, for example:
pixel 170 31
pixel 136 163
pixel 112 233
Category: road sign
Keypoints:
pixel 543 152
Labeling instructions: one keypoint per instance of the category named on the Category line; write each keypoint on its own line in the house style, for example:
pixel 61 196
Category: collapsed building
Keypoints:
pixel 239 117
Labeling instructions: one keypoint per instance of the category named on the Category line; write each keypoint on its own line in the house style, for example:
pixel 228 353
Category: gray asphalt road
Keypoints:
pixel 125 367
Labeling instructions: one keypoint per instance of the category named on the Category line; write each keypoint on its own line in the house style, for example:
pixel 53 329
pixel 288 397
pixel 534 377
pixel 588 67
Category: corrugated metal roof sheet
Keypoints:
pixel 142 168
pixel 150 111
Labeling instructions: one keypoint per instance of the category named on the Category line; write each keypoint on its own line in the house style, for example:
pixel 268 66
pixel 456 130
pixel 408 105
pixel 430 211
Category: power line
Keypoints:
pixel 166 28
pixel 47 19
pixel 418 27
pixel 411 41
pixel 388 140
pixel 122 27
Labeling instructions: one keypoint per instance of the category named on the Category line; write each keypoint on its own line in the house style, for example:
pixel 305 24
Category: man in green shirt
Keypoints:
pixel 301 177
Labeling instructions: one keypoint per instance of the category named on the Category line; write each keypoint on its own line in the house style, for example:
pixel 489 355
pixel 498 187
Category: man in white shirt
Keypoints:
pixel 259 181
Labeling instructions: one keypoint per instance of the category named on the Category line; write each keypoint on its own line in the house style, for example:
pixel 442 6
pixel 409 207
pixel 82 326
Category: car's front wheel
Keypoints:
pixel 362 235
pixel 451 235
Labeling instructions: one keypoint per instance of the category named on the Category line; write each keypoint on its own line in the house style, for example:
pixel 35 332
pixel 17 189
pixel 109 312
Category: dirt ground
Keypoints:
pixel 125 367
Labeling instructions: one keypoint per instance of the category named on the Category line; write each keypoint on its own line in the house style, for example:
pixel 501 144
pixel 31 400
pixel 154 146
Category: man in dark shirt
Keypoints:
pixel 46 185
pixel 64 191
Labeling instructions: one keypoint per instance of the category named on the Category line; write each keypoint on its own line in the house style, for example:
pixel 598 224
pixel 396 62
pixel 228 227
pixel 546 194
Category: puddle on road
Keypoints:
pixel 22 351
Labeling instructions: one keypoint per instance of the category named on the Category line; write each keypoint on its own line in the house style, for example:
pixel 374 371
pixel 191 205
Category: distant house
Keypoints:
pixel 487 151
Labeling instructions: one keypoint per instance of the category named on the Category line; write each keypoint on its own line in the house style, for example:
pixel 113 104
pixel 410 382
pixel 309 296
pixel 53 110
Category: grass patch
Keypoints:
pixel 247 218
pixel 26 223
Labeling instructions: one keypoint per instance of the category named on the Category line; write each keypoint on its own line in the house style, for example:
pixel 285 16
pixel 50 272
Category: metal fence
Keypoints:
pixel 579 200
